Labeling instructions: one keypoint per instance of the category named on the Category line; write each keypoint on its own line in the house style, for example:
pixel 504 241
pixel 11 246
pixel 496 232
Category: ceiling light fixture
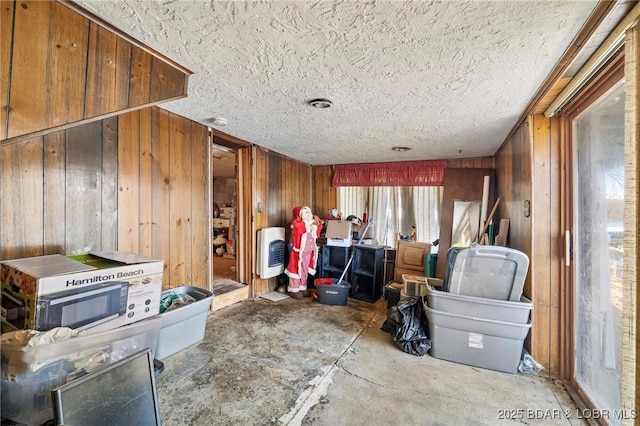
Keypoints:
pixel 401 148
pixel 320 103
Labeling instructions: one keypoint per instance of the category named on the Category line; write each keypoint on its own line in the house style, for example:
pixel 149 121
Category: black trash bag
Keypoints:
pixel 407 324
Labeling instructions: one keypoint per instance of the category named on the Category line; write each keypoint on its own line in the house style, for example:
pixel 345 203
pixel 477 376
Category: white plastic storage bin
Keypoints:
pixel 185 325
pixel 30 373
pixel 491 344
pixel 489 271
pixel 500 310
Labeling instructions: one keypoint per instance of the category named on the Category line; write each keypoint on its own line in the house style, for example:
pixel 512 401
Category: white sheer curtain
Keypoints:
pixel 395 210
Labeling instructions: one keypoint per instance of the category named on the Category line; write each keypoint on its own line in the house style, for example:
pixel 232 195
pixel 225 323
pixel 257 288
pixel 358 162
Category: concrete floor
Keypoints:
pixel 298 362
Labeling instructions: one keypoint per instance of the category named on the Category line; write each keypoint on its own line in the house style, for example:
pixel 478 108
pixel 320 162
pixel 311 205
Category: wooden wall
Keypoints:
pixel 325 196
pixel 289 186
pixel 164 188
pixel 135 183
pixel 280 184
pixel 58 67
pixel 528 168
pixel 60 192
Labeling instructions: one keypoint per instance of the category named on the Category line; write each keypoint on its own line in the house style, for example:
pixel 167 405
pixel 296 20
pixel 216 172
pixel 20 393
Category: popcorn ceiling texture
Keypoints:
pixel 439 76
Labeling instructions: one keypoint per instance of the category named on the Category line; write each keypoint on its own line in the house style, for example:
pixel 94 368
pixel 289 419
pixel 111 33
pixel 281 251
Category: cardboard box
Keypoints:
pixel 339 233
pixel 414 285
pixel 96 290
pixel 228 212
pixel 358 231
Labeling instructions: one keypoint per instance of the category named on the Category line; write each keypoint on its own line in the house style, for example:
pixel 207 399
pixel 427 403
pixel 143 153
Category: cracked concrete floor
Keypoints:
pixel 297 362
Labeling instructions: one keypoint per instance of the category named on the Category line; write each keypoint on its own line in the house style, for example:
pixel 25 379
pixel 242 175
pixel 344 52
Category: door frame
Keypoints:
pixel 243 234
pixel 607 77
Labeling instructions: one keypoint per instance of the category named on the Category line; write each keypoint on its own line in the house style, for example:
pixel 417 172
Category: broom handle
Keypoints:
pixel 351 257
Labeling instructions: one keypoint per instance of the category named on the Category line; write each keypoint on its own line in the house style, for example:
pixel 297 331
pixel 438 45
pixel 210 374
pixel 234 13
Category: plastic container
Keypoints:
pixel 480 342
pixel 183 326
pixel 430 265
pixel 491 272
pixel 500 310
pixel 330 293
pixel 30 373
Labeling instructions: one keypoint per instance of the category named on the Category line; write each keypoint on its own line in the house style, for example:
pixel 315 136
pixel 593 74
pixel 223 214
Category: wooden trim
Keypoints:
pixel 229 141
pixel 582 402
pixel 43 132
pixel 95 18
pixel 611 73
pixel 606 50
pixel 567 306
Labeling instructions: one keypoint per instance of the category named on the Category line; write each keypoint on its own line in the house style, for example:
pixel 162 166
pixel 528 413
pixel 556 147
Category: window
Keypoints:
pixel 395 210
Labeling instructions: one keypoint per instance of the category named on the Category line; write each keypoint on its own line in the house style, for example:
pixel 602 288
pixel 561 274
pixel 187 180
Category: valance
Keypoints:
pixel 404 173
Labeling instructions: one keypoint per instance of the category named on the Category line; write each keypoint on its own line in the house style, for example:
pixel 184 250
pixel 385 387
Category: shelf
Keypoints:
pixel 365 272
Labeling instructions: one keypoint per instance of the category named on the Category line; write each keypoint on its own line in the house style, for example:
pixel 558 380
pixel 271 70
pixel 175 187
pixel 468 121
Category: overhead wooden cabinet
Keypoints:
pixel 59 67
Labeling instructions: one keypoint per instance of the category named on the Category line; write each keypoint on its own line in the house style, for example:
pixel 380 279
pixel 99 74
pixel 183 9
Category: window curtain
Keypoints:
pixel 395 210
pixel 406 173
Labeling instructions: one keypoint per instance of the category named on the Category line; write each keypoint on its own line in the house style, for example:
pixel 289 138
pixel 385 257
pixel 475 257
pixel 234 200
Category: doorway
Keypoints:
pixel 598 199
pixel 224 222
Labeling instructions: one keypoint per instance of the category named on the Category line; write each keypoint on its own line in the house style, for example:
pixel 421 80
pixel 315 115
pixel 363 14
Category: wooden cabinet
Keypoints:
pixel 411 259
pixel 58 67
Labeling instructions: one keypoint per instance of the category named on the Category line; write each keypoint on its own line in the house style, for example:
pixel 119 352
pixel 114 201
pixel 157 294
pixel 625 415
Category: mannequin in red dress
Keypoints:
pixel 305 229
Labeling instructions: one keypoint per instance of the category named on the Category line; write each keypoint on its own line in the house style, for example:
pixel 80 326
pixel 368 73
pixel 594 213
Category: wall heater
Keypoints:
pixel 271 252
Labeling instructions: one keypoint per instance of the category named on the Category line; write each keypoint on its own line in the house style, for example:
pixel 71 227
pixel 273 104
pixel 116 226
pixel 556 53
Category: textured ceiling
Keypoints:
pixel 447 78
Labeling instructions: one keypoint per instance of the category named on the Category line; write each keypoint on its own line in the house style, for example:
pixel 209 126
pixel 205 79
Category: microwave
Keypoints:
pixel 82 308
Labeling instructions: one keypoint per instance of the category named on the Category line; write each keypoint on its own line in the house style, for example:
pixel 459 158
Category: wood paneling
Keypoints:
pixel 180 200
pixel 109 215
pixel 108 69
pixel 59 192
pixel 325 196
pixel 6 29
pixel 281 184
pixel 54 197
pixel 246 231
pixel 528 168
pixel 140 77
pixel 472 163
pixel 128 181
pixel 48 66
pixel 58 67
pixel 200 204
pixel 261 177
pixel 291 187
pixel 160 177
pixel 167 82
pixel 163 203
pixel 21 203
pixel 460 183
pixel 83 185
